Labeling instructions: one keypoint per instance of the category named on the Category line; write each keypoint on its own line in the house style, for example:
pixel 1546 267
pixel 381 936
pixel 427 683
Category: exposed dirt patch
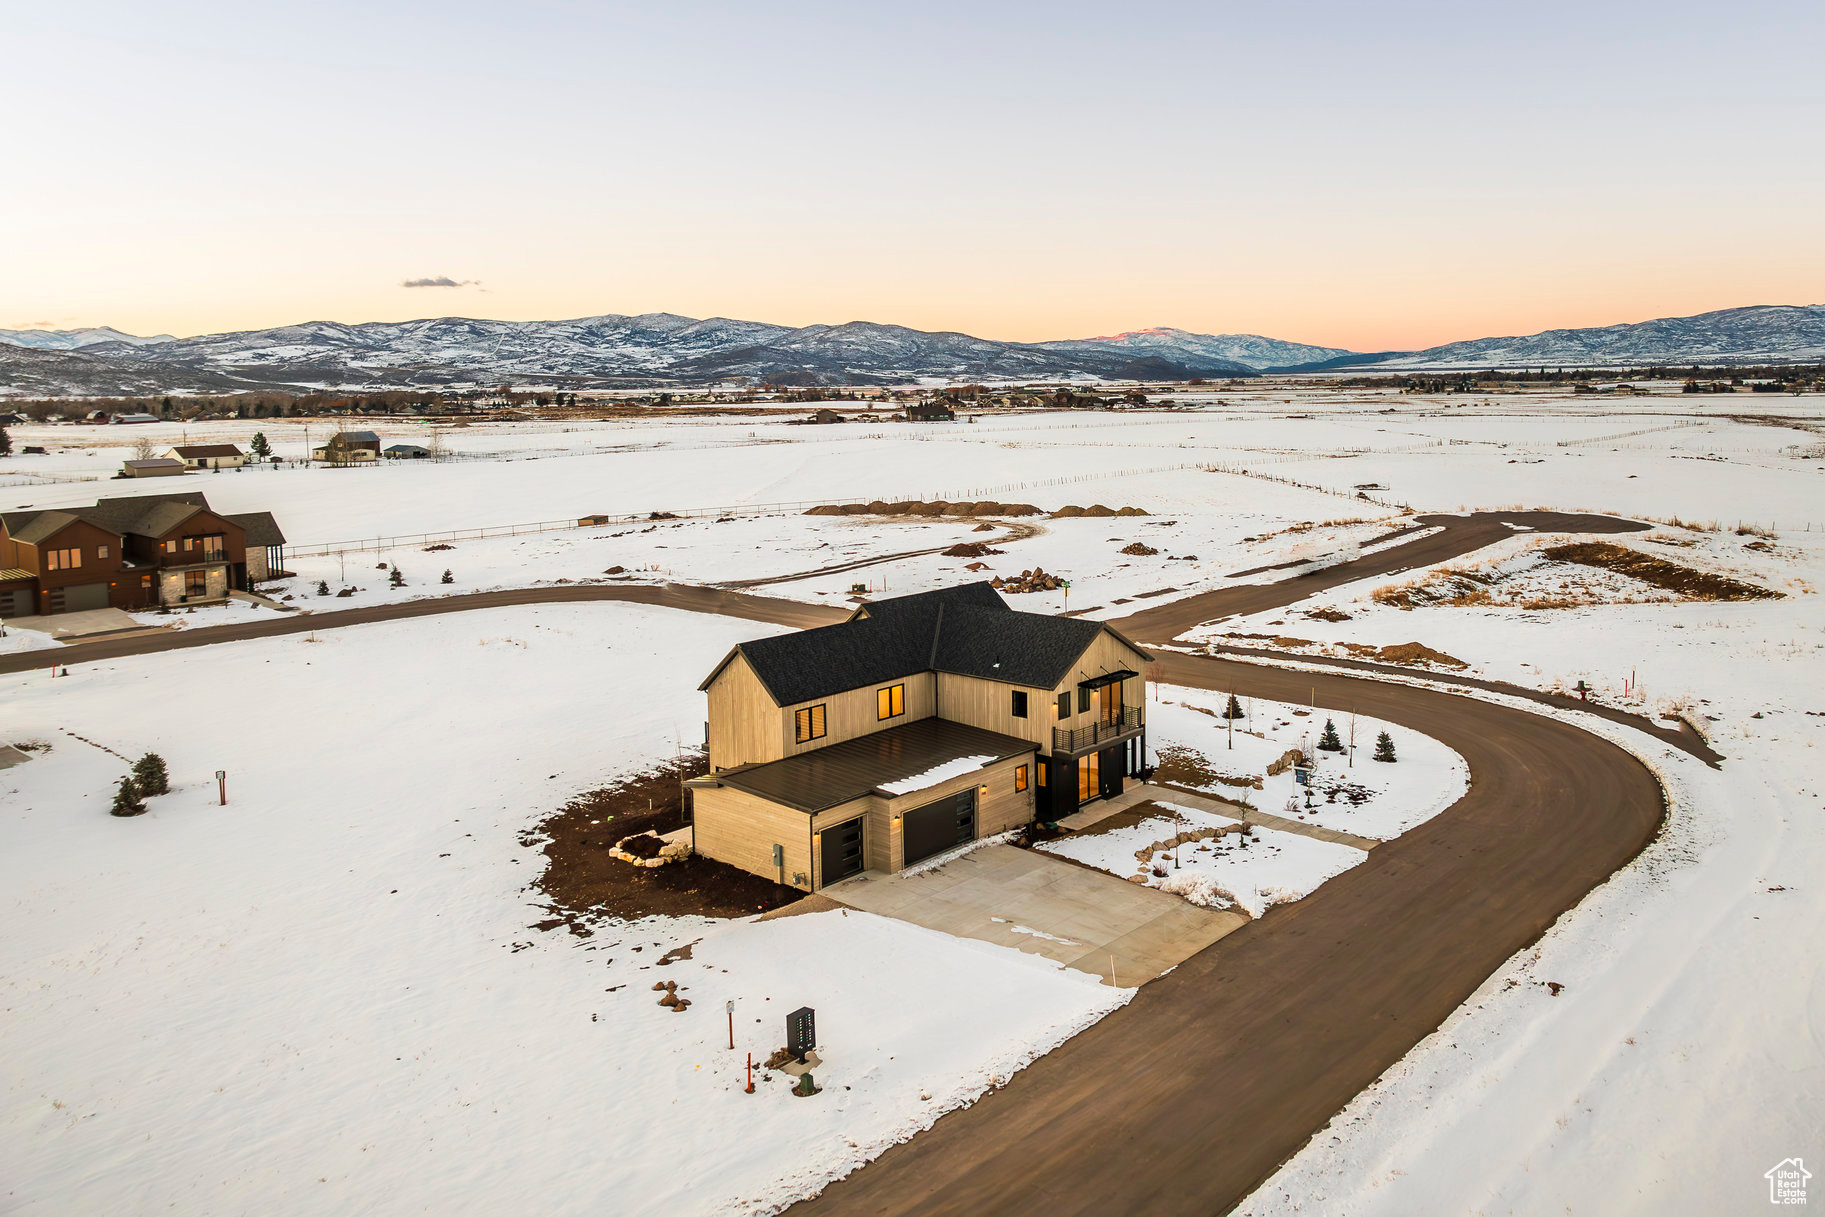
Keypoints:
pixel 917 507
pixel 1409 653
pixel 1178 765
pixel 582 882
pixel 1658 572
pixel 970 549
pixel 1096 511
pixel 1327 614
pixel 1140 549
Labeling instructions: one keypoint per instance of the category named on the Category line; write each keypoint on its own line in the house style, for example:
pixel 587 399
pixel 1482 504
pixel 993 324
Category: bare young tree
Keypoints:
pixel 142 448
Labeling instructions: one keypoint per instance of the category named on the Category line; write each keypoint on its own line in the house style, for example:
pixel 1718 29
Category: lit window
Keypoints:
pixel 1020 778
pixel 101 552
pixel 808 724
pixel 890 702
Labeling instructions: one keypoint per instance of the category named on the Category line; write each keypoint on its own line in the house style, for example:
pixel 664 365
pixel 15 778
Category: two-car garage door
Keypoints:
pixel 939 826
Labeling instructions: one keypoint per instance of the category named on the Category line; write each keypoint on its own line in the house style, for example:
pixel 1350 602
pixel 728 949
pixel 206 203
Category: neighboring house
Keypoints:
pixel 348 448
pixel 152 467
pixel 406 452
pixel 135 418
pixel 129 552
pixel 826 416
pixel 930 412
pixel 920 724
pixel 11 420
pixel 208 456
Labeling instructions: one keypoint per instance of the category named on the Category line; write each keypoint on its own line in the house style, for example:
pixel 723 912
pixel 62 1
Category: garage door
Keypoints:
pixel 80 598
pixel 842 852
pixel 939 826
pixel 17 601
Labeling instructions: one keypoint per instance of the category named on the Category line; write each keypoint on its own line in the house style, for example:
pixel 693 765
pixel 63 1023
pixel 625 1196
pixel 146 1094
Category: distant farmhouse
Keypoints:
pixel 930 412
pixel 406 452
pixel 348 448
pixel 922 723
pixel 131 552
pixel 208 456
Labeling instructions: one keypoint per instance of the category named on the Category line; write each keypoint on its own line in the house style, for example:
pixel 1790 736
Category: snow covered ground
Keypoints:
pixel 1250 870
pixel 324 997
pixel 1356 795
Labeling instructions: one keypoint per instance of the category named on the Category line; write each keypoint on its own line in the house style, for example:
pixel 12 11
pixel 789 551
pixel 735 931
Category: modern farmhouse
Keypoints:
pixel 921 723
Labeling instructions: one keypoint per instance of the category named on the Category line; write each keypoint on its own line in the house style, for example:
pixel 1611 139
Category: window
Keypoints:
pixel 1020 703
pixel 171 547
pixel 63 559
pixel 213 546
pixel 101 553
pixel 189 544
pixel 808 724
pixel 145 582
pixel 1042 773
pixel 1083 699
pixel 890 702
pixel 1064 705
pixel 1020 778
pixel 196 583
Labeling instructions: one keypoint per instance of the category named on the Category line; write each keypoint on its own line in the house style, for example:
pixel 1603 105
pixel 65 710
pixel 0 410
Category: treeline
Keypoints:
pixel 1805 377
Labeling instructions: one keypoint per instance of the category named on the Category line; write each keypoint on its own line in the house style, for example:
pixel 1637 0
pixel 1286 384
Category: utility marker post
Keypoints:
pixel 221 786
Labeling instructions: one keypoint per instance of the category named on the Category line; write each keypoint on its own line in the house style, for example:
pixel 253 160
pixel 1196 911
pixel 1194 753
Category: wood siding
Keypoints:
pixel 742 718
pixel 1107 654
pixel 851 714
pixel 989 704
pixel 735 827
pixel 1000 809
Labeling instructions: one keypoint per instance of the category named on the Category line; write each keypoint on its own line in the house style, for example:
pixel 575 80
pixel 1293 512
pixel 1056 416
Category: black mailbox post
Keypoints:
pixel 801 1031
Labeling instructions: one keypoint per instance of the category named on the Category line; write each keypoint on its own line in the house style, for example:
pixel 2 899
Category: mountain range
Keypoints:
pixel 657 349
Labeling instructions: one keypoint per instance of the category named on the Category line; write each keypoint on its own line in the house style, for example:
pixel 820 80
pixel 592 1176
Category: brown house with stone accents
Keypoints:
pixel 922 723
pixel 130 552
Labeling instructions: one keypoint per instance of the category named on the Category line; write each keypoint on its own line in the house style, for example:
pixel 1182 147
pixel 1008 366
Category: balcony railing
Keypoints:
pixel 1075 739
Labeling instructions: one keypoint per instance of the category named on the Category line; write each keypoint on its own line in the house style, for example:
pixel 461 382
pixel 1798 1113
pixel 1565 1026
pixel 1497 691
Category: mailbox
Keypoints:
pixel 801 1031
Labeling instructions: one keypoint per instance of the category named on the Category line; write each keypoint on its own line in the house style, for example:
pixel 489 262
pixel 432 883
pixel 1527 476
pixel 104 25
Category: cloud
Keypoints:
pixel 440 281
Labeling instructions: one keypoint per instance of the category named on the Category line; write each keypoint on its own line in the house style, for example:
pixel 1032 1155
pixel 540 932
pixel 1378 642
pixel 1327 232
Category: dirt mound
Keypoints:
pixel 917 507
pixel 1695 584
pixel 645 845
pixel 1140 550
pixel 1327 614
pixel 1408 653
pixel 1096 511
pixel 970 549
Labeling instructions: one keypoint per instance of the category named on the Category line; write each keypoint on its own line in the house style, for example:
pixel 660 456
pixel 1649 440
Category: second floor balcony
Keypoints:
pixel 1116 726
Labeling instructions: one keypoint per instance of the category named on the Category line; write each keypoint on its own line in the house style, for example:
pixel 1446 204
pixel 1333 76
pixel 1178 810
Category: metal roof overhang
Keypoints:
pixel 1107 678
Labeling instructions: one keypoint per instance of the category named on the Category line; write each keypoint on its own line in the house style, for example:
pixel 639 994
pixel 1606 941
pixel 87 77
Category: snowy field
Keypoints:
pixel 1351 793
pixel 324 997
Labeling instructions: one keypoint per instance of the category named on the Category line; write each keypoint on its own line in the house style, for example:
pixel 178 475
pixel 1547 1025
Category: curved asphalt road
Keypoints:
pixel 1185 1100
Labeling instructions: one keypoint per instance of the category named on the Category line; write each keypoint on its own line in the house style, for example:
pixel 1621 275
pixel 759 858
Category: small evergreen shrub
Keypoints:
pixel 1384 748
pixel 1328 742
pixel 150 775
pixel 126 800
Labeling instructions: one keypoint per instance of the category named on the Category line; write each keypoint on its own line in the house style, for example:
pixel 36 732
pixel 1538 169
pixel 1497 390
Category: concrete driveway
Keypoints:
pixel 1083 918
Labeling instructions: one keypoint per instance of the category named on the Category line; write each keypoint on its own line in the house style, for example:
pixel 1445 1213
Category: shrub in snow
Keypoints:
pixel 1384 747
pixel 448 578
pixel 258 445
pixel 1233 709
pixel 396 579
pixel 1328 742
pixel 126 800
pixel 149 775
pixel 323 587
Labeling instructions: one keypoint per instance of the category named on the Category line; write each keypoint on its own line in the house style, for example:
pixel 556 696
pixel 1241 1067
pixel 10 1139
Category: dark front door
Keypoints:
pixel 939 826
pixel 1110 768
pixel 842 852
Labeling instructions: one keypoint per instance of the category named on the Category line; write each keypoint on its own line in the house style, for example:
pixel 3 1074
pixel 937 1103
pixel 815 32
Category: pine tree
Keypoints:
pixel 1233 709
pixel 261 449
pixel 448 578
pixel 1328 742
pixel 396 579
pixel 323 587
pixel 149 775
pixel 126 800
pixel 1384 748
pixel 6 443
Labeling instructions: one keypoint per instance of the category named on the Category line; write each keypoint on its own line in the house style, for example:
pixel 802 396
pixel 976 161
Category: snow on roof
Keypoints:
pixel 936 774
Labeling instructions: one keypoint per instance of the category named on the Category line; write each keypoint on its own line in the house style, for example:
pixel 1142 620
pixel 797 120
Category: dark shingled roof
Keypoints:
pixel 827 777
pixel 260 527
pixel 967 630
pixel 35 526
pixel 192 451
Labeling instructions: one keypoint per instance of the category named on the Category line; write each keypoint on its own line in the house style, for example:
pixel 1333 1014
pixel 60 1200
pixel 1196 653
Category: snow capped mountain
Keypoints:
pixel 1767 333
pixel 70 340
pixel 1203 350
